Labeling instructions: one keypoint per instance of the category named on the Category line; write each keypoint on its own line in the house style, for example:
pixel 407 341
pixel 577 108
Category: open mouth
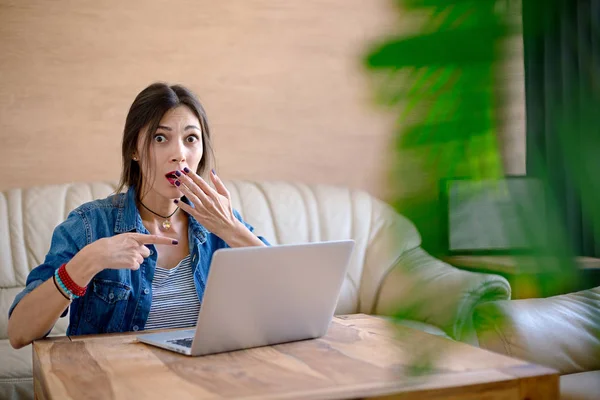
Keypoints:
pixel 171 177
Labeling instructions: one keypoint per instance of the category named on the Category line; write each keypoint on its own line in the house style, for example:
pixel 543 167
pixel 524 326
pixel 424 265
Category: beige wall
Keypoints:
pixel 512 113
pixel 282 82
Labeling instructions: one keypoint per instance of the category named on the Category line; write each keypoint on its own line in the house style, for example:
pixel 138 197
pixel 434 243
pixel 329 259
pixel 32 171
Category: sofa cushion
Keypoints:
pixel 15 363
pixel 560 332
pixel 323 213
pixel 16 389
pixel 15 372
pixel 581 386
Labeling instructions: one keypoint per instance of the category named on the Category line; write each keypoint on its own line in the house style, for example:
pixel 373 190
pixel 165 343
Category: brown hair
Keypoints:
pixel 146 111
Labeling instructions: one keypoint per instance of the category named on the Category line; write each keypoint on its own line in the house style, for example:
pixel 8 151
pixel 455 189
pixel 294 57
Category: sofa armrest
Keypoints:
pixel 560 332
pixel 423 288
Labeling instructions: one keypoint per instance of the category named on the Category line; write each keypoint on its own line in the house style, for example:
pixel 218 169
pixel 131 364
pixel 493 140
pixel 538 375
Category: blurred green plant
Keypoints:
pixel 442 80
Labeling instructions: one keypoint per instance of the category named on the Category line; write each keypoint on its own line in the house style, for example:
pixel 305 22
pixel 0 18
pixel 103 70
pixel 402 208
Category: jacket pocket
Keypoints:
pixel 105 305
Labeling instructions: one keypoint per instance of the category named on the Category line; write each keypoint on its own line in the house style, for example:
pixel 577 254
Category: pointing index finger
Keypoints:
pixel 142 238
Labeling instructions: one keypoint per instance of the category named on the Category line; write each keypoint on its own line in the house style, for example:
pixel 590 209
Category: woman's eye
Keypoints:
pixel 160 138
pixel 192 139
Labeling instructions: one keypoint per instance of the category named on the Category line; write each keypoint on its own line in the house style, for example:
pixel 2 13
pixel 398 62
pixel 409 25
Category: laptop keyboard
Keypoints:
pixel 185 342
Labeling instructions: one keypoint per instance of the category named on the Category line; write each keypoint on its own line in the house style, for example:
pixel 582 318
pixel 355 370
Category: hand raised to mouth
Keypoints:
pixel 211 207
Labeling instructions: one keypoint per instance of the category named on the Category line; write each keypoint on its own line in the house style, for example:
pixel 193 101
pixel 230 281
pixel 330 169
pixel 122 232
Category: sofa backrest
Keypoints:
pixel 282 212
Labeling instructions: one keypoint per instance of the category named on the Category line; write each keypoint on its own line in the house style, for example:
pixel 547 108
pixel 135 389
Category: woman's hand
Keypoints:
pixel 213 209
pixel 123 251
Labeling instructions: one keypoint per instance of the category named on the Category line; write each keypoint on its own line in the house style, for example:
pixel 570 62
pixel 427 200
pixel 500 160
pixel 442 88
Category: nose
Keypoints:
pixel 178 154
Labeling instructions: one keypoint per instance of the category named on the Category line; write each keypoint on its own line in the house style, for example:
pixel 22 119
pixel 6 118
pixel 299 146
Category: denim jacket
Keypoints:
pixel 117 300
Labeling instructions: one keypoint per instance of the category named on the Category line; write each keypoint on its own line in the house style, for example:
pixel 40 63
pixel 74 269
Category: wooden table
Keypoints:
pixel 360 357
pixel 529 276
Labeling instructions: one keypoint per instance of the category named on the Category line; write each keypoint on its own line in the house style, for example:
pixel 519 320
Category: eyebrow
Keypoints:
pixel 169 129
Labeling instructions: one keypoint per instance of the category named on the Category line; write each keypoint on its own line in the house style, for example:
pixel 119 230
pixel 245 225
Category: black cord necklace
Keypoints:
pixel 167 222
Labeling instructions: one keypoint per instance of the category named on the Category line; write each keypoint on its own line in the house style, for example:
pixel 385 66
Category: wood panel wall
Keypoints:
pixel 282 81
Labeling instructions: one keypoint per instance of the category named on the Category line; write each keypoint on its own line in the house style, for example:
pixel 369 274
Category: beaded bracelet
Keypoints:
pixel 59 289
pixel 63 287
pixel 74 288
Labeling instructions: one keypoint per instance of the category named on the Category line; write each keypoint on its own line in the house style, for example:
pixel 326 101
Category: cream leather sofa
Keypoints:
pixel 561 332
pixel 389 272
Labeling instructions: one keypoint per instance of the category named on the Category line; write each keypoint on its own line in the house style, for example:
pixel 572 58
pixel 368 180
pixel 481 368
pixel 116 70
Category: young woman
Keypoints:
pixel 138 259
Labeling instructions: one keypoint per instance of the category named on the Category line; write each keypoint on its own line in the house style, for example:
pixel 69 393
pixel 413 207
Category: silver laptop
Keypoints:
pixel 259 296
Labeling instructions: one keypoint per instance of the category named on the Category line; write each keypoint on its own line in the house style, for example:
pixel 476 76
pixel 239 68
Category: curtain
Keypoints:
pixel 562 80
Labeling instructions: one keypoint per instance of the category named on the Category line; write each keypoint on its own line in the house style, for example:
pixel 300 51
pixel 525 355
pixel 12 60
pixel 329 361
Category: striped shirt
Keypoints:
pixel 175 302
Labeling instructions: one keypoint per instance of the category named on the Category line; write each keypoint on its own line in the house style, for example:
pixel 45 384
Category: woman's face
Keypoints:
pixel 176 144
